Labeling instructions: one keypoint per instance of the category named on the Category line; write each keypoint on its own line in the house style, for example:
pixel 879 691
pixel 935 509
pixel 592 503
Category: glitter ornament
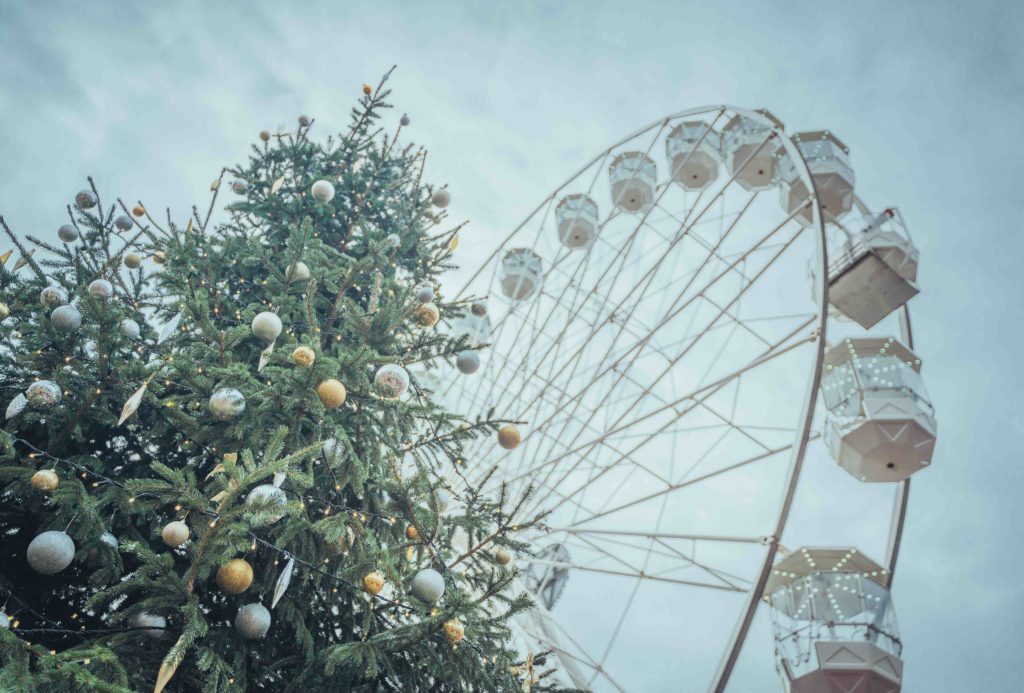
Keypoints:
pixel 153 626
pixel 45 480
pixel 66 318
pixel 235 576
pixel 411 533
pixel 67 233
pixel 425 294
pixel 43 394
pixel 50 552
pixel 391 381
pixel 226 403
pixel 331 393
pixel 303 356
pixel 132 260
pixel 322 191
pixel 268 494
pixel 130 328
pixel 508 437
pixel 175 533
pixel 123 222
pixel 453 630
pixel 426 315
pixel 53 296
pixel 503 556
pixel 334 451
pixel 85 199
pixel 16 406
pixel 299 272
pixel 101 288
pixel 267 326
pixel 427 586
pixel 467 362
pixel 441 198
pixel 253 621
pixel 373 582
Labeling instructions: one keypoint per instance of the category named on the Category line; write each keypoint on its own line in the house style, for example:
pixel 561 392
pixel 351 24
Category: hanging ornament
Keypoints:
pixel 425 293
pixel 123 222
pixel 138 210
pixel 132 260
pixel 303 356
pixel 265 135
pixel 23 260
pixel 50 552
pixel 109 539
pixel 442 499
pixel 373 582
pixel 133 402
pixel 334 452
pixel 152 626
pixel 17 406
pixel 441 198
pixel 5 257
pixel 298 272
pixel 305 121
pixel 5 311
pixel 85 199
pixel 239 187
pixel 5 620
pixel 265 494
pixel 454 630
pixel 175 533
pixel 276 185
pixel 265 357
pixel 367 89
pixel 66 318
pixel 322 191
pixel 266 326
pixel 392 241
pixel 45 480
pixel 508 437
pixel 101 288
pixel 43 394
pixel 252 621
pixel 68 233
pixel 467 362
pixel 226 404
pixel 53 296
pixel 427 586
pixel 503 556
pixel 412 534
pixel 283 580
pixel 404 121
pixel 426 315
pixel 235 576
pixel 391 381
pixel 478 308
pixel 130 328
pixel 331 393
pixel 170 327
pixel 159 257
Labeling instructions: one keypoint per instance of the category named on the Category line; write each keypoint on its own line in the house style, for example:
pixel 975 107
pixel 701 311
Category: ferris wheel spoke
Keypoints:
pixel 640 575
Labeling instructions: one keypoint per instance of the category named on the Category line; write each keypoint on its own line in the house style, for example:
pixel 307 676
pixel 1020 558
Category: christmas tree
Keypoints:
pixel 218 471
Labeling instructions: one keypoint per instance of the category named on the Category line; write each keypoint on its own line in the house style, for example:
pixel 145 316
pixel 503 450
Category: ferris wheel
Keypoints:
pixel 705 330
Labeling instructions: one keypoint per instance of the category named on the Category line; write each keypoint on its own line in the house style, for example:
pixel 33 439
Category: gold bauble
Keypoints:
pixel 426 315
pixel 453 630
pixel 367 89
pixel 158 257
pixel 235 576
pixel 508 437
pixel 132 260
pixel 175 533
pixel 265 135
pixel 45 480
pixel 503 556
pixel 373 582
pixel 303 356
pixel 411 533
pixel 138 210
pixel 4 310
pixel 331 393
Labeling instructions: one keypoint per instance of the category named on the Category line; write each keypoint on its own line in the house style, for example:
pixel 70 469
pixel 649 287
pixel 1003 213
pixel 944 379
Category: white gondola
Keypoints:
pixel 828 161
pixel 576 216
pixel 634 179
pixel 874 272
pixel 749 152
pixel 521 273
pixel 881 425
pixel 694 151
pixel 835 627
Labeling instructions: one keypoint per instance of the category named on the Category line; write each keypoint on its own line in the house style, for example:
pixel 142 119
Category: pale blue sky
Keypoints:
pixel 511 97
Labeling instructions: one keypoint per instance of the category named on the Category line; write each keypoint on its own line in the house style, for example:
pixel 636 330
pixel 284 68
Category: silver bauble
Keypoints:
pixel 427 586
pixel 467 361
pixel 239 187
pixel 267 326
pixel 130 328
pixel 479 309
pixel 123 222
pixel 252 621
pixel 441 198
pixel 154 625
pixel 53 296
pixel 85 199
pixel 405 121
pixel 66 318
pixel 334 451
pixel 391 381
pixel 265 493
pixel 304 121
pixel 425 294
pixel 299 272
pixel 5 620
pixel 101 288
pixel 68 233
pixel 109 539
pixel 16 406
pixel 50 552
pixel 43 394
pixel 322 191
pixel 226 403
pixel 392 241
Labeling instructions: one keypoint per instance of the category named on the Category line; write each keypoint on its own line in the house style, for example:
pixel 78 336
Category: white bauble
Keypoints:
pixel 267 492
pixel 16 406
pixel 322 191
pixel 299 272
pixel 267 326
pixel 252 621
pixel 53 296
pixel 175 533
pixel 130 328
pixel 441 198
pixel 50 552
pixel 109 539
pixel 68 233
pixel 304 121
pixel 226 403
pixel 5 620
pixel 123 222
pixel 85 199
pixel 391 381
pixel 392 241
pixel 154 625
pixel 101 288
pixel 467 361
pixel 334 451
pixel 425 294
pixel 43 394
pixel 427 586
pixel 66 318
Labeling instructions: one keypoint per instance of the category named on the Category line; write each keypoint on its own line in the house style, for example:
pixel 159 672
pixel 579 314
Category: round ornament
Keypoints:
pixel 138 210
pixel 405 121
pixel 85 199
pixel 252 621
pixel 239 187
pixel 101 288
pixel 441 198
pixel 392 241
pixel 508 437
pixel 267 326
pixel 373 582
pixel 331 393
pixel 367 89
pixel 265 494
pixel 50 552
pixel 299 272
pixel 322 191
pixel 66 318
pixel 303 357
pixel 108 539
pixel 5 311
pixel 123 222
pixel 159 257
pixel 265 135
pixel 305 121
pixel 467 361
pixel 43 394
pixel 53 296
pixel 426 315
pixel 391 381
pixel 45 480
pixel 427 586
pixel 16 406
pixel 226 403
pixel 175 533
pixel 479 309
pixel 68 233
pixel 411 533
pixel 153 626
pixel 5 620
pixel 503 556
pixel 235 576
pixel 454 630
pixel 130 328
pixel 334 451
pixel 425 294
pixel 132 260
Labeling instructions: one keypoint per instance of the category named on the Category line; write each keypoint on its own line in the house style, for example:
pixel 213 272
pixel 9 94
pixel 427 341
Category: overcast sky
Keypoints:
pixel 512 97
